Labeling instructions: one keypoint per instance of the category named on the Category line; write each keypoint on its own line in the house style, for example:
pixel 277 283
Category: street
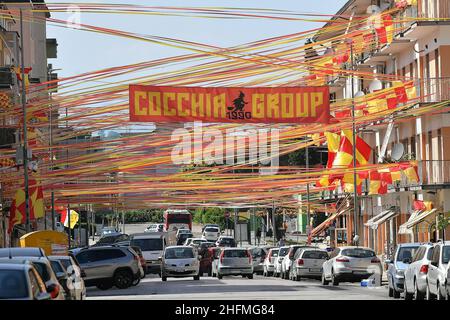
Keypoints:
pixel 238 288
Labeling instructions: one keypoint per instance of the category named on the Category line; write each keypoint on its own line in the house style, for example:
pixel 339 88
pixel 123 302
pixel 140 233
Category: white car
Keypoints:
pixel 181 231
pixel 351 264
pixel 152 246
pixel 75 281
pixel 415 285
pixel 308 264
pixel 277 263
pixel 211 234
pixel 194 242
pixel 235 261
pixel 180 262
pixel 437 271
pixel 286 263
pixel 155 227
pixel 269 262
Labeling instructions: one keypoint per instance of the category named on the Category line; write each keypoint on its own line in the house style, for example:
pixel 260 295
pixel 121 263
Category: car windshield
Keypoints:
pixel 197 241
pixel 108 239
pixel 445 254
pixel 184 231
pixel 406 253
pixel 148 244
pixel 235 254
pixel 358 253
pixel 283 252
pixel 315 255
pixel 226 240
pixel 13 284
pixel 65 262
pixel 43 271
pixel 56 266
pixel 275 253
pixel 212 229
pixel 179 253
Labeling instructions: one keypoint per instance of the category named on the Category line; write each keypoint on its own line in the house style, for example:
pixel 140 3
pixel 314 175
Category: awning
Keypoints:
pixel 324 225
pixel 426 215
pixel 384 216
pixel 403 229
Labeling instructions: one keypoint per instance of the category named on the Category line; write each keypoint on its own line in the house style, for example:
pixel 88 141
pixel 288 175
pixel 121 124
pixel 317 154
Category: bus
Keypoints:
pixel 177 219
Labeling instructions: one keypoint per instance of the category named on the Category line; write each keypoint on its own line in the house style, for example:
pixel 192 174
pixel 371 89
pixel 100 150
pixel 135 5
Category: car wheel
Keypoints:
pixel 417 294
pixel 407 295
pixel 324 280
pixel 219 276
pixel 428 294
pixel 390 292
pixel 197 277
pixel 105 285
pixel 396 294
pixel 123 279
pixel 334 279
pixel 163 278
pixel 250 276
pixel 136 282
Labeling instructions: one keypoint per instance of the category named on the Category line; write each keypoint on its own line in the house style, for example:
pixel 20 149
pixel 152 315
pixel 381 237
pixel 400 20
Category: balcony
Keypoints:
pixel 433 90
pixel 434 172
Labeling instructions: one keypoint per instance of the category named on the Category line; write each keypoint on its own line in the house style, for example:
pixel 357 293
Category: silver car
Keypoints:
pixel 21 282
pixel 396 267
pixel 269 262
pixel 75 281
pixel 180 262
pixel 259 255
pixel 308 264
pixel 351 264
pixel 415 285
pixel 437 271
pixel 235 261
pixel 108 266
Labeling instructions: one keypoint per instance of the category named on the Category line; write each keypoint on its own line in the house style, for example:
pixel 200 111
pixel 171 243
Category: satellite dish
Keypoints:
pixel 397 151
pixel 359 94
pixel 373 9
pixel 375 85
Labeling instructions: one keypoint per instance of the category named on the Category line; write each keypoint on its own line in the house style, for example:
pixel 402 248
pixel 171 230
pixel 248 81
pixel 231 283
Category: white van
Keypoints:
pixel 152 246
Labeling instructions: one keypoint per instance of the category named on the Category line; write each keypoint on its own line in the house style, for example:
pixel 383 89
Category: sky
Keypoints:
pixel 80 51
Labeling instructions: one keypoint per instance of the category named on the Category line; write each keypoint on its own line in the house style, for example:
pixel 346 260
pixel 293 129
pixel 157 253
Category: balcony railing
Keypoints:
pixel 433 172
pixel 433 89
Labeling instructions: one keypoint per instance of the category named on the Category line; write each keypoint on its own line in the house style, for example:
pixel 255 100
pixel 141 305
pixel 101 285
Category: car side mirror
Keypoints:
pixel 83 274
pixel 159 258
pixel 434 263
pixel 407 260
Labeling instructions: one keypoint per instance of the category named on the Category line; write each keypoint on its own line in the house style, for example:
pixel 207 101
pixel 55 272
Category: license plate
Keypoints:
pixel 235 271
pixel 180 269
pixel 315 270
pixel 360 272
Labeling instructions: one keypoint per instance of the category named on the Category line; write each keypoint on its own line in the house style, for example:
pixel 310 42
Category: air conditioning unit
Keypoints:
pixel 6 78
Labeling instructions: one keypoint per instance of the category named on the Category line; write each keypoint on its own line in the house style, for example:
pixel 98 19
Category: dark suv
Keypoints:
pixel 108 266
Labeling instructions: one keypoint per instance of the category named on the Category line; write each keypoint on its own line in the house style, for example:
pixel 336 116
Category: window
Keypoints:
pixel 35 289
pixel 56 266
pixel 179 253
pixel 436 252
pixel 430 253
pixel 335 253
pixel 108 254
pixel 235 254
pixel 212 229
pixel 358 253
pixel 274 253
pixel 406 253
pixel 83 257
pixel 42 268
pixel 13 284
pixel 419 254
pixel 283 252
pixel 445 254
pixel 155 244
pixel 315 255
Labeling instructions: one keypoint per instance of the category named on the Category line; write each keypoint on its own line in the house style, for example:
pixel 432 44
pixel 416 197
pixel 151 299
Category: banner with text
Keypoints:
pixel 245 105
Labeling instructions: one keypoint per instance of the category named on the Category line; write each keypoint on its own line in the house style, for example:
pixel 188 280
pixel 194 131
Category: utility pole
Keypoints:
pixel 308 210
pixel 274 223
pixel 355 184
pixel 25 139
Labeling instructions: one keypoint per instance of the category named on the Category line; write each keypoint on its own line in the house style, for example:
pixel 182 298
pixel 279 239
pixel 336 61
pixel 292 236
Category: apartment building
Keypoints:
pixel 420 52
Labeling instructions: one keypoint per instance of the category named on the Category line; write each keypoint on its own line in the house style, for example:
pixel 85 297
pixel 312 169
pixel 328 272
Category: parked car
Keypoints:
pixel 396 267
pixel 179 262
pixel 155 227
pixel 351 264
pixel 21 252
pixel 215 256
pixel 437 271
pixel 416 273
pixel 211 233
pixel 277 264
pixel 308 264
pixel 181 238
pixel 75 276
pixel 152 246
pixel 235 261
pixel 226 241
pixel 62 276
pixel 108 231
pixel 21 282
pixel 258 256
pixel 447 282
pixel 269 262
pixel 111 238
pixel 194 242
pixel 210 225
pixel 288 259
pixel 43 267
pixel 108 266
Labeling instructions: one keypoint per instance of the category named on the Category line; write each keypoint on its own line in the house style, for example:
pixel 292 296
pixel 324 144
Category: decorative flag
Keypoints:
pixel 5 101
pixel 26 72
pixel 74 216
pixel 422 205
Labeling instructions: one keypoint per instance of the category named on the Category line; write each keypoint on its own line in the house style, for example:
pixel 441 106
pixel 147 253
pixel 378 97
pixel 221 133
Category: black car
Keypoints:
pixel 181 238
pixel 226 242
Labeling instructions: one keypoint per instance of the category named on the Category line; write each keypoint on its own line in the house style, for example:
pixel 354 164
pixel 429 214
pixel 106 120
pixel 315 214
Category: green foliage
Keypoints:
pixel 134 216
pixel 443 221
pixel 210 215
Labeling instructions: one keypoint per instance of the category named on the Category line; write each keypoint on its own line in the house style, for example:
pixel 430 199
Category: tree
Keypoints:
pixel 210 215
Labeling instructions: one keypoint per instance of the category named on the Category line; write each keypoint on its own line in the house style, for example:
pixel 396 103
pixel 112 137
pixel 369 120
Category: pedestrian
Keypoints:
pixel 269 233
pixel 281 243
pixel 258 235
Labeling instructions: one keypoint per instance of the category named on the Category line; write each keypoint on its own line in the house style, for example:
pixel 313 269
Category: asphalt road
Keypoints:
pixel 238 288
